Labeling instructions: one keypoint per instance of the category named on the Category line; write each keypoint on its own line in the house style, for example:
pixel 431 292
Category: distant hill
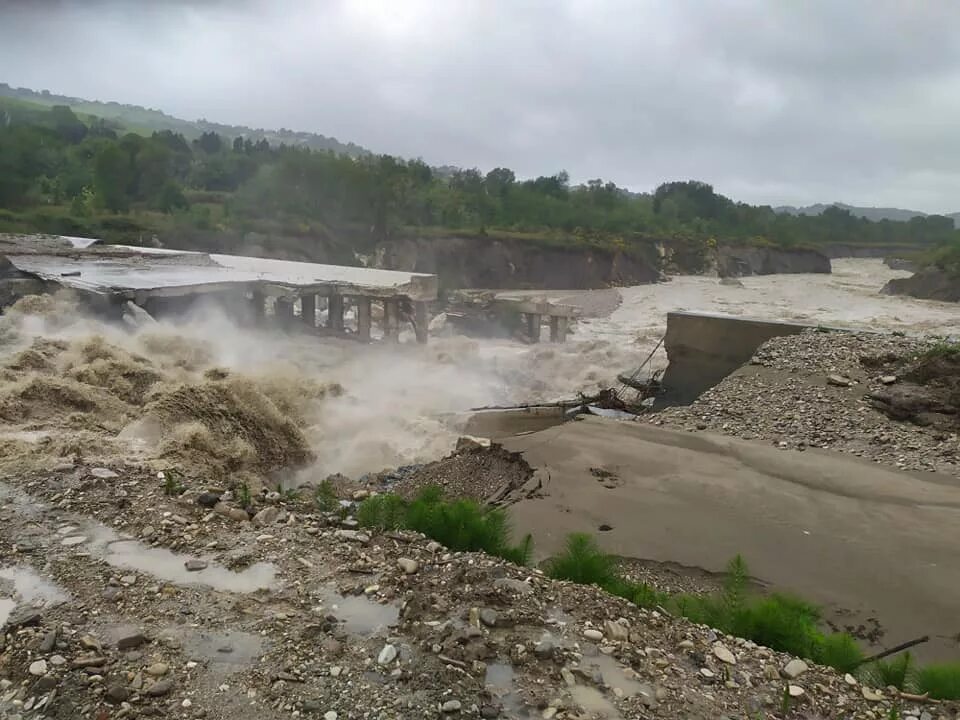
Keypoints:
pixel 145 121
pixel 870 213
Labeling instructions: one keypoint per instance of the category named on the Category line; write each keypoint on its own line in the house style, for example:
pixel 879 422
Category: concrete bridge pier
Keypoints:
pixel 534 320
pixel 364 318
pixel 421 321
pixel 308 310
pixel 335 313
pixel 558 328
pixel 283 309
pixel 258 307
pixel 391 320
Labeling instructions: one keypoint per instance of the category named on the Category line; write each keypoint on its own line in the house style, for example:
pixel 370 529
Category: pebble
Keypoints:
pixel 103 473
pixel 592 634
pixel 38 668
pixel 131 640
pixel 208 499
pixel 407 565
pixel 387 655
pixel 73 540
pixel 850 680
pixel 544 648
pixel 117 693
pixel 195 565
pixel 451 706
pixel 795 691
pixel 58 660
pixel 795 668
pixel 160 688
pixel 488 617
pixel 158 669
pixel 330 715
pixel 723 654
pixel 267 516
pixel 616 631
pixel 707 673
pixel 871 694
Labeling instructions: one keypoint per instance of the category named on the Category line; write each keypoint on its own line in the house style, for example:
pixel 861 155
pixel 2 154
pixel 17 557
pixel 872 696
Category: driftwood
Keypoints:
pixel 911 697
pixel 894 650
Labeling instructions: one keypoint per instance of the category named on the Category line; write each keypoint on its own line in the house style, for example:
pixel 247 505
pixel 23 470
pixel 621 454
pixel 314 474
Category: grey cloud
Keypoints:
pixel 771 102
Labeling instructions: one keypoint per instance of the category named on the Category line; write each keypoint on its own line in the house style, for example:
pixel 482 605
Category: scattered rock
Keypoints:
pixel 408 566
pixel 131 640
pixel 616 631
pixel 871 694
pixel 208 499
pixel 158 669
pixel 795 668
pixel 888 379
pixel 451 706
pixel 387 655
pixel 38 668
pixel 593 634
pixel 267 516
pixel 195 565
pixel 103 473
pixel 838 381
pixel 73 540
pixel 117 693
pixel 488 617
pixel 160 688
pixel 723 654
pixel 796 691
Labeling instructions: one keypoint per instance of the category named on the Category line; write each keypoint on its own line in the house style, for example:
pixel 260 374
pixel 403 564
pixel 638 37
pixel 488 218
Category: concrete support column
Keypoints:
pixel 421 321
pixel 558 328
pixel 258 307
pixel 308 310
pixel 335 313
pixel 364 319
pixel 284 312
pixel 533 326
pixel 391 320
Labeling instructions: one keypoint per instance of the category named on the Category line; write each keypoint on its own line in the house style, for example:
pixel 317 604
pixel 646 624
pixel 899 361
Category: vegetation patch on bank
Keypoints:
pixel 779 621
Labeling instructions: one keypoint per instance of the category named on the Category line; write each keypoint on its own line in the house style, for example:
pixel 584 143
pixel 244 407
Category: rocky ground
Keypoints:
pixel 836 391
pixel 133 603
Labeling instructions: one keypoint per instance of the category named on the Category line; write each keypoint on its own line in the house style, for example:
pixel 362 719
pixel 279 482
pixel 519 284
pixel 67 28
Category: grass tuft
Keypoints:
pixel 462 524
pixel 898 672
pixel 941 680
pixel 841 652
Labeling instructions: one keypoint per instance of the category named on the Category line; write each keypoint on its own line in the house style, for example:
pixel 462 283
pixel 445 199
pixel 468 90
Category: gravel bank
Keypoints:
pixel 813 390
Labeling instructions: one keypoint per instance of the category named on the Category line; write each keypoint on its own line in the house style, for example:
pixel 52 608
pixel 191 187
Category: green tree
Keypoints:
pixel 112 176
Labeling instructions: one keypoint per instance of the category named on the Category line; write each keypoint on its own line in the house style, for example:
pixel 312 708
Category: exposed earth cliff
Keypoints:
pixel 737 261
pixel 928 284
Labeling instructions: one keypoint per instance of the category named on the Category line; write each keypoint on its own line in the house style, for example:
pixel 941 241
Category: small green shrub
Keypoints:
pixel 172 483
pixel 583 562
pixel 841 652
pixel 325 498
pixel 243 496
pixel 941 680
pixel 463 525
pixel 898 672
pixel 943 349
pixel 382 512
pixel 780 622
pixel 459 524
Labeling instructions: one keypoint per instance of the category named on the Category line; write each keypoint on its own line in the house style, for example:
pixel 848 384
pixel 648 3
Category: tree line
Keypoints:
pixel 85 166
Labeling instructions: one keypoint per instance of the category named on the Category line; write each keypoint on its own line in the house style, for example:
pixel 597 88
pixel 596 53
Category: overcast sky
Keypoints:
pixel 771 101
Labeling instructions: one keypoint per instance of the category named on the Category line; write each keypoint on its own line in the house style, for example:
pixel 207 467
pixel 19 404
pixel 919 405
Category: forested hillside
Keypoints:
pixel 145 121
pixel 79 174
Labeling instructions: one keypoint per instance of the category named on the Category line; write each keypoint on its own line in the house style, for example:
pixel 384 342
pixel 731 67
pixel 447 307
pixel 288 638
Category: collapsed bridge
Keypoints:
pixel 162 281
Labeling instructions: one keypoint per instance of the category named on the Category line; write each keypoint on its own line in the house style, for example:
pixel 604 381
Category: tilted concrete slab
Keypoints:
pixel 139 273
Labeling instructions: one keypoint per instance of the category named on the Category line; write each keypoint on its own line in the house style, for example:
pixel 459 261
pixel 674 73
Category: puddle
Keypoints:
pixel 223 652
pixel 593 701
pixel 169 566
pixel 616 676
pixel 359 615
pixel 102 542
pixel 499 681
pixel 28 588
